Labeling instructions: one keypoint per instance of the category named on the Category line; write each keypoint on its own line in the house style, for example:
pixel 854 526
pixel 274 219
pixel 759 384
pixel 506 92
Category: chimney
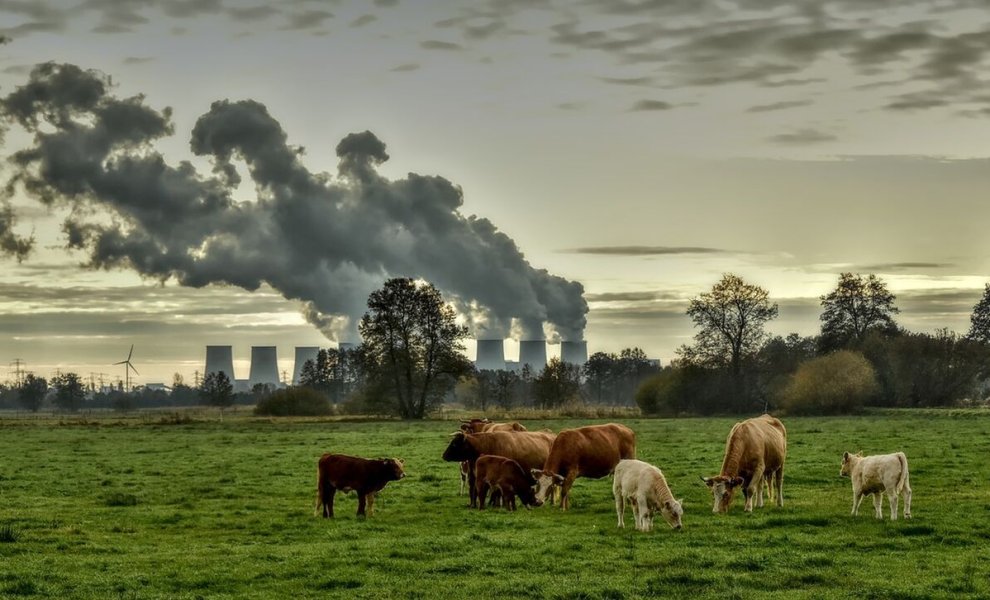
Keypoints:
pixel 491 356
pixel 220 358
pixel 264 366
pixel 534 354
pixel 575 353
pixel 303 353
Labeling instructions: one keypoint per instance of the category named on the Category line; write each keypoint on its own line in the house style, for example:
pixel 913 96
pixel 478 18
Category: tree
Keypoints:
pixel 854 308
pixel 31 394
pixel 936 370
pixel 558 384
pixel 599 373
pixel 412 346
pixel 837 383
pixel 217 391
pixel 979 329
pixel 506 389
pixel 731 318
pixel 69 391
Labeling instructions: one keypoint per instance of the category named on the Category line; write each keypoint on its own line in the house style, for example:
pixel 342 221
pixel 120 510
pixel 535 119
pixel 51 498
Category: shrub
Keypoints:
pixel 295 401
pixel 838 383
pixel 662 394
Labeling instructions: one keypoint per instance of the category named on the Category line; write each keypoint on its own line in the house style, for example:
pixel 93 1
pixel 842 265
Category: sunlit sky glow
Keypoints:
pixel 640 147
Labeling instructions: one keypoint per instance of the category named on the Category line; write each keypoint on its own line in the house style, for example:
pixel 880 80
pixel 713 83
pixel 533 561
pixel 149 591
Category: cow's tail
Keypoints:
pixel 904 472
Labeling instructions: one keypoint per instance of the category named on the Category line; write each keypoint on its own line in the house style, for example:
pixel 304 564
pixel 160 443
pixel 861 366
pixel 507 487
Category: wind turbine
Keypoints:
pixel 128 367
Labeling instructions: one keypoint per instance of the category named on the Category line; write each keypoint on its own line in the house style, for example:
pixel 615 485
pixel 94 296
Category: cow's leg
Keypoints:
pixel 371 504
pixel 857 499
pixel 328 493
pixel 472 492
pixel 779 484
pixel 620 510
pixel 907 499
pixel 565 490
pixel 481 491
pixel 362 503
pixel 642 512
pixel 878 504
pixel 510 499
pixel 892 499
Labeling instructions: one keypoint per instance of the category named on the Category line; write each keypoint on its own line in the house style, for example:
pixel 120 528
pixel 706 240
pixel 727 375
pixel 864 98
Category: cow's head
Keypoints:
pixel 393 468
pixel 723 488
pixel 528 494
pixel 848 460
pixel 545 482
pixel 474 425
pixel 459 449
pixel 672 511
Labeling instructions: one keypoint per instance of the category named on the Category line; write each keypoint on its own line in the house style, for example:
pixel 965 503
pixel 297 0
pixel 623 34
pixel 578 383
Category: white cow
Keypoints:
pixel 876 475
pixel 646 489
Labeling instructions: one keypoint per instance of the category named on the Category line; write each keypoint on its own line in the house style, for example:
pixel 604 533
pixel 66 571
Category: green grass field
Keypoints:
pixel 225 510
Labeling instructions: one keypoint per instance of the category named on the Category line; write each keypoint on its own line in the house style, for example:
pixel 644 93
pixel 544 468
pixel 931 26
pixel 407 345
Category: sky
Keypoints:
pixel 242 173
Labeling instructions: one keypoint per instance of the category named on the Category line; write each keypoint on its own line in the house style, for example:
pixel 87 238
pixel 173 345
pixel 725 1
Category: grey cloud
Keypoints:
pixel 137 60
pixel 12 244
pixel 316 239
pixel 386 3
pixel 440 45
pixel 651 296
pixel 900 266
pixel 406 67
pixel 644 250
pixel 633 81
pixel 651 105
pixel 778 106
pixel 802 137
pixel 310 19
pixel 252 13
pixel 363 20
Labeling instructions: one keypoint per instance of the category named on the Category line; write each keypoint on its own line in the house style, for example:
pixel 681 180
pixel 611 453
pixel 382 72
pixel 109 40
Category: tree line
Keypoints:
pixel 861 356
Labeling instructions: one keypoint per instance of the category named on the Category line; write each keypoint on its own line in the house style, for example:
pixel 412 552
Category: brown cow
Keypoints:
pixel 591 451
pixel 486 426
pixel 506 476
pixel 529 449
pixel 754 451
pixel 350 473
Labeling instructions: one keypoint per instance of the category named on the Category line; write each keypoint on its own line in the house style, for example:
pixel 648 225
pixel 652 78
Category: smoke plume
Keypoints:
pixel 324 241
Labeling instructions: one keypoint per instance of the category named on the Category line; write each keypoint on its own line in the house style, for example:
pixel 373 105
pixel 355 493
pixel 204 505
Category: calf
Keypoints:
pixel 876 475
pixel 350 473
pixel 506 476
pixel 646 489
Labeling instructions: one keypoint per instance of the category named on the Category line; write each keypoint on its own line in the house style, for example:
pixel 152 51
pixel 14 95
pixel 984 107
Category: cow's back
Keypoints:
pixel 593 450
pixel 529 449
pixel 758 440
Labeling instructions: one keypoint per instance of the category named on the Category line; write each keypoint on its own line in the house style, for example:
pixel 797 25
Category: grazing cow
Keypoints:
pixel 528 448
pixel 350 473
pixel 486 426
pixel 755 450
pixel 503 475
pixel 646 489
pixel 591 451
pixel 876 475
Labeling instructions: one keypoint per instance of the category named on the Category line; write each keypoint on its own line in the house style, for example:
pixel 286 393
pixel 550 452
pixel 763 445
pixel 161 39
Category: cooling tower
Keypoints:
pixel 534 354
pixel 491 356
pixel 220 358
pixel 303 353
pixel 575 353
pixel 264 366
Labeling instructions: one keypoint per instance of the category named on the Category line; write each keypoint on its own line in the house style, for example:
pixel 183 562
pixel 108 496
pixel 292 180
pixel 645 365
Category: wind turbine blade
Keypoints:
pixel 123 362
pixel 133 369
pixel 130 353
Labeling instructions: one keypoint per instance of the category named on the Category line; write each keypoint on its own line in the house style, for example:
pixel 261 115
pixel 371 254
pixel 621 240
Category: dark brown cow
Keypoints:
pixel 591 451
pixel 350 473
pixel 529 449
pixel 486 426
pixel 754 452
pixel 505 476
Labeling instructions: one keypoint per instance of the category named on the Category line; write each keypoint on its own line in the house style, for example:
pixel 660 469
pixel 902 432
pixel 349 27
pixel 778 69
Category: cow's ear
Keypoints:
pixel 399 461
pixel 457 433
pixel 845 456
pixel 736 481
pixel 708 480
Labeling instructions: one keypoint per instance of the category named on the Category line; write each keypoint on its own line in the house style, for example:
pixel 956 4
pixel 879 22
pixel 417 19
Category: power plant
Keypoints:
pixel 575 353
pixel 490 356
pixel 220 358
pixel 303 353
pixel 534 354
pixel 264 366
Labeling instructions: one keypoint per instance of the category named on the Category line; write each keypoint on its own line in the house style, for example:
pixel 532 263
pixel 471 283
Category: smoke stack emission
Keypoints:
pixel 303 353
pixel 490 356
pixel 264 366
pixel 220 358
pixel 534 354
pixel 575 353
pixel 324 241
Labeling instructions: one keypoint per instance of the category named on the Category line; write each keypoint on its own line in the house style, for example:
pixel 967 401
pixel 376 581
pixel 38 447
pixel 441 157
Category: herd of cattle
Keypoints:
pixel 508 461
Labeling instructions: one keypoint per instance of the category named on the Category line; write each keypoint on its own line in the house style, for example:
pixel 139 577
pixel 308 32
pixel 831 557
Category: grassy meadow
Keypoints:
pixel 134 509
